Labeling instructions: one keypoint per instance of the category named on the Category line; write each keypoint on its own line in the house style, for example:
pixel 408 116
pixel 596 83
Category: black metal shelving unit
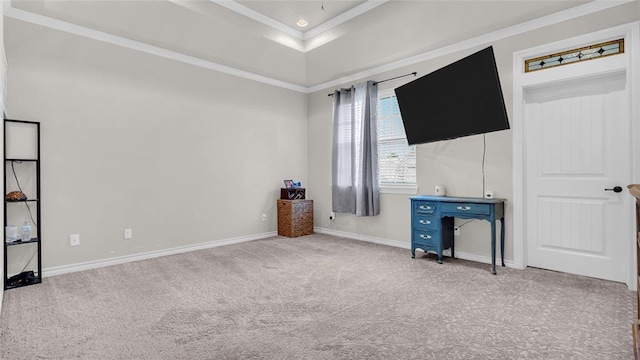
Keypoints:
pixel 26 276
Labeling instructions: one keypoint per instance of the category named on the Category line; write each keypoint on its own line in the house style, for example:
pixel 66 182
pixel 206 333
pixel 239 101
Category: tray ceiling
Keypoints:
pixel 379 33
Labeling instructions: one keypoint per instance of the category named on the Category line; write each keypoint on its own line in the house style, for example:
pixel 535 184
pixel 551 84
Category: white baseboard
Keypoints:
pixel 407 245
pixel 65 269
pixel 372 239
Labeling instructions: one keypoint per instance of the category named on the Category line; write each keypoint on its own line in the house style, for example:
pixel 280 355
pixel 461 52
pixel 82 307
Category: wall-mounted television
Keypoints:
pixel 463 98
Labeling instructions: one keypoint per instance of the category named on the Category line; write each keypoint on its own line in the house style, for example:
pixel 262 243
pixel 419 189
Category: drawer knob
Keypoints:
pixel 464 208
pixel 424 222
pixel 425 236
pixel 425 207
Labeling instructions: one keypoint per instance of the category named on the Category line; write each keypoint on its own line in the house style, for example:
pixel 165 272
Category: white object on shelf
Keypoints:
pixel 25 231
pixel 11 233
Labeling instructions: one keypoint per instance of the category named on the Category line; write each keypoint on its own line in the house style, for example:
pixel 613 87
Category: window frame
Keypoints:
pixel 386 188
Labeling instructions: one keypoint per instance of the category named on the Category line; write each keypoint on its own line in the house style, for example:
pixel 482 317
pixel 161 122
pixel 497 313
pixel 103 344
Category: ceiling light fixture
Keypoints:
pixel 302 23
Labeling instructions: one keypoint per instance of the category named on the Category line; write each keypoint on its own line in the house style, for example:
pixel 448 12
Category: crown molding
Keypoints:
pixel 67 27
pixel 326 26
pixel 252 14
pixel 551 19
pixel 342 18
pixel 575 12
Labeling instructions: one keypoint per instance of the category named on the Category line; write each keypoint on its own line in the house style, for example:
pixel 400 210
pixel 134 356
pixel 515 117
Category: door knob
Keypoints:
pixel 615 189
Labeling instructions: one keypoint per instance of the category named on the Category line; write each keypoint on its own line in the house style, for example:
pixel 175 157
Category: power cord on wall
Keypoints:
pixel 484 155
pixel 464 223
pixel 29 262
pixel 272 206
pixel 20 188
pixel 484 152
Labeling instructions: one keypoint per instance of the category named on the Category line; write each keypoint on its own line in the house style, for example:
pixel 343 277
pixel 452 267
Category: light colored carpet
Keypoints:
pixel 316 297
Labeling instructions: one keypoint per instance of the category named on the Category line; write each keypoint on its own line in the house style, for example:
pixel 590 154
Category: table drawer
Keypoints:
pixel 429 238
pixel 461 208
pixel 425 222
pixel 424 207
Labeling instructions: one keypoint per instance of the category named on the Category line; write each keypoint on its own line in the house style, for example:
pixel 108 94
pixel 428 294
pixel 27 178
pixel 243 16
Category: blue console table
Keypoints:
pixel 432 222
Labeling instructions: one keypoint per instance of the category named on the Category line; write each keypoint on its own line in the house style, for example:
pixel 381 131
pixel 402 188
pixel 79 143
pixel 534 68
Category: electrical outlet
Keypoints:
pixel 74 240
pixel 264 217
pixel 128 234
pixel 332 216
pixel 456 231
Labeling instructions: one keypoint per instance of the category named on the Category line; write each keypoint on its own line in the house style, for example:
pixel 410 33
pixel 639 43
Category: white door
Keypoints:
pixel 578 143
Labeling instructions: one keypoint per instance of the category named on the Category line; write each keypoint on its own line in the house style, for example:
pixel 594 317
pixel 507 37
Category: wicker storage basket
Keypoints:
pixel 295 217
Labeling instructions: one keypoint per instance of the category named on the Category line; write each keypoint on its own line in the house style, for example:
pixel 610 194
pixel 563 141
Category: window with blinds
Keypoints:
pixel 396 159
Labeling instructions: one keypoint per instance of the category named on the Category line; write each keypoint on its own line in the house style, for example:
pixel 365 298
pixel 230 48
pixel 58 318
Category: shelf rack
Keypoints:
pixel 25 277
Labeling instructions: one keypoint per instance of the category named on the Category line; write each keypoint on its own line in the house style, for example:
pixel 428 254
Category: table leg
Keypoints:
pixel 493 247
pixel 502 240
pixel 453 246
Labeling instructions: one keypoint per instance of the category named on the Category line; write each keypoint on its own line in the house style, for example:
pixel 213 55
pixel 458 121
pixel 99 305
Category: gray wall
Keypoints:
pixel 454 163
pixel 179 154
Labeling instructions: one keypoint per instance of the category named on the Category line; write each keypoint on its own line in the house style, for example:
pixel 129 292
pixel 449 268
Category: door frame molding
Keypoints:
pixel 630 62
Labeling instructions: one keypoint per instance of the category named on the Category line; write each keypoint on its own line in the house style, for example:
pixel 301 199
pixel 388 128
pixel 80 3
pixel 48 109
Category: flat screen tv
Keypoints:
pixel 463 98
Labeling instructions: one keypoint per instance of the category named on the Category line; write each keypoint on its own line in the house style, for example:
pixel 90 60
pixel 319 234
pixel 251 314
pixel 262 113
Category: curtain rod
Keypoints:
pixel 393 78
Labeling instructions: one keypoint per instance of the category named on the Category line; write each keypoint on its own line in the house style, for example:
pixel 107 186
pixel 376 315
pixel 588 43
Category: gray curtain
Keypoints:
pixel 355 187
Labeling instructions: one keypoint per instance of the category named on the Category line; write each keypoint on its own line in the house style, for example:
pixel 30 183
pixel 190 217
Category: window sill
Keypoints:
pixel 398 189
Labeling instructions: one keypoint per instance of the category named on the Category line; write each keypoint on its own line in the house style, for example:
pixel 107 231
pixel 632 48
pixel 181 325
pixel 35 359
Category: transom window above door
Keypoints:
pixel 590 52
